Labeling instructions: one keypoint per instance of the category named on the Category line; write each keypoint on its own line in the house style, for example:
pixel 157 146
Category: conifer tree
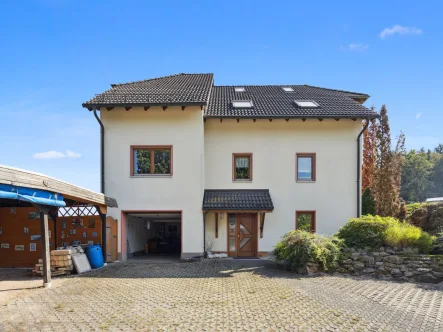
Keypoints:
pixel 369 155
pixel 387 175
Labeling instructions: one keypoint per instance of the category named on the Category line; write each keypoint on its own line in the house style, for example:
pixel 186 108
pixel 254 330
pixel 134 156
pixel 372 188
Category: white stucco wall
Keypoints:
pixel 137 235
pixel 274 146
pixel 183 191
pixel 219 243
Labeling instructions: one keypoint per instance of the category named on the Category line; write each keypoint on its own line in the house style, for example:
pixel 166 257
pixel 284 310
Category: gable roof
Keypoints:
pixel 179 89
pixel 268 101
pixel 271 101
pixel 237 199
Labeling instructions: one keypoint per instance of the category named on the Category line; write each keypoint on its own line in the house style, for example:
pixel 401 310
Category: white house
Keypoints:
pixel 235 167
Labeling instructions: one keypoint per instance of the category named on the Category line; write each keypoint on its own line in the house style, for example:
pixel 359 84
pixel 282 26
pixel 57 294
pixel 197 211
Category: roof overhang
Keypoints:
pixel 113 105
pixel 26 179
pixel 237 200
pixel 333 117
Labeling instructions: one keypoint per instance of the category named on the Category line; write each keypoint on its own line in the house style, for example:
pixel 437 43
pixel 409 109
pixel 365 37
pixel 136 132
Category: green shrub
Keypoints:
pixel 376 231
pixel 367 206
pixel 414 206
pixel 297 248
pixel 366 231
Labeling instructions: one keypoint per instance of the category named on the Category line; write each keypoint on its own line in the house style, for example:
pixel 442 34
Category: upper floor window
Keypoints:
pixel 305 167
pixel 242 166
pixel 305 221
pixel 151 160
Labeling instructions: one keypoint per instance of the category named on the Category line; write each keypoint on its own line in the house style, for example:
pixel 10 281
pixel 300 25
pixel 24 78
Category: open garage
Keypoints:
pixel 154 234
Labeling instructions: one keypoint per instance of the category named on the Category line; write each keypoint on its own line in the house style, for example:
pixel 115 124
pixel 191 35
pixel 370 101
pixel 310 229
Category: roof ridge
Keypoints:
pixel 157 78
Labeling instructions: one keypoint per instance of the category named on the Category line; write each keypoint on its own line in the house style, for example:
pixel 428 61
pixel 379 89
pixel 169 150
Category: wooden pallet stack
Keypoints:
pixel 61 263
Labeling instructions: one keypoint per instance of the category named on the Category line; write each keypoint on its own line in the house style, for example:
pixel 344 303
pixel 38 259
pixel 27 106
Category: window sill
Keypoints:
pixel 305 181
pixel 241 181
pixel 152 176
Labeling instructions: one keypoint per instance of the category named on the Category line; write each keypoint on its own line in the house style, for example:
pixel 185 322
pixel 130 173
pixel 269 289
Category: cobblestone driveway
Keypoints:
pixel 221 296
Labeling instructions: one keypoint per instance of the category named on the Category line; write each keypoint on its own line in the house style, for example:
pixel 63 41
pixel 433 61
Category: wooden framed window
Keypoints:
pixel 150 160
pixel 305 221
pixel 242 166
pixel 305 167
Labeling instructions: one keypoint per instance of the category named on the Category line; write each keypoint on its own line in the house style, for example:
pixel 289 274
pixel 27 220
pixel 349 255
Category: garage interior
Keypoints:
pixel 154 234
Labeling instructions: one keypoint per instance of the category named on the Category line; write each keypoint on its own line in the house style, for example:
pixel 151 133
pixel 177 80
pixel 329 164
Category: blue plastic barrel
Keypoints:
pixel 95 256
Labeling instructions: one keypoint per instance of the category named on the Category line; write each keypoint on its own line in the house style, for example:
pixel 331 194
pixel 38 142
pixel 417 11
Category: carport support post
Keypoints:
pixel 103 218
pixel 44 212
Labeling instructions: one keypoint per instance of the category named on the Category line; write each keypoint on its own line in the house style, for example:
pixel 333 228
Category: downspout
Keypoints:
pixel 359 168
pixel 204 234
pixel 102 152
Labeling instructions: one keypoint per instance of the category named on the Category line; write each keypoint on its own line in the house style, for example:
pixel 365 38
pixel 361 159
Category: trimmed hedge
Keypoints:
pixel 375 231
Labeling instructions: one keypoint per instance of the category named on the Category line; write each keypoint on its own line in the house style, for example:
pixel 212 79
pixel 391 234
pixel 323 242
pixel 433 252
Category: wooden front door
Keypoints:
pixel 242 235
pixel 111 239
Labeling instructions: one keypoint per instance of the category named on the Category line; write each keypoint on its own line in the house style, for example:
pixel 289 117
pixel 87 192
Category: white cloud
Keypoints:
pixel 56 155
pixel 358 47
pixel 418 116
pixel 400 30
pixel 70 154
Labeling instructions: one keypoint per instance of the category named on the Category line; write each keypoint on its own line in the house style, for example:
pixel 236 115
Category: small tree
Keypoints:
pixel 387 174
pixel 369 154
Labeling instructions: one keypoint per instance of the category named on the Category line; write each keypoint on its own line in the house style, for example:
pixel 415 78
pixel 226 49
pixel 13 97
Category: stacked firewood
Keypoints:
pixel 61 263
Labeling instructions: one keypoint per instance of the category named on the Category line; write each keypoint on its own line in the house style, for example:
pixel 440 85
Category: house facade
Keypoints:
pixel 195 166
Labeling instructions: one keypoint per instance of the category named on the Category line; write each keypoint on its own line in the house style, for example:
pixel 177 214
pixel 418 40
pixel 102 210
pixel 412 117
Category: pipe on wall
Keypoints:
pixel 102 153
pixel 359 167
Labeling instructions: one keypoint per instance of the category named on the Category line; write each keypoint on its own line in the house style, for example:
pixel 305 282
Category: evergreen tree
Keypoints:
pixel 439 149
pixel 387 176
pixel 369 157
pixel 367 206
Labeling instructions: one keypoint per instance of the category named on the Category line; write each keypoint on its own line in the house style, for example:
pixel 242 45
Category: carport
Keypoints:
pixel 24 189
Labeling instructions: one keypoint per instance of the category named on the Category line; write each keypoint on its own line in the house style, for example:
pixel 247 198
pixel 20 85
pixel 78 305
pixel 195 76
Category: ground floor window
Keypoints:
pixel 305 221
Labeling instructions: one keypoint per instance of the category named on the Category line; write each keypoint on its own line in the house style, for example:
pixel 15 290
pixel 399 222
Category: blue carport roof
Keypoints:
pixel 31 195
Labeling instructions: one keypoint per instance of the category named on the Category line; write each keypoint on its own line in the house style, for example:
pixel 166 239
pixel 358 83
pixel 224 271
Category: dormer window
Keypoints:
pixel 306 103
pixel 239 89
pixel 242 104
pixel 288 89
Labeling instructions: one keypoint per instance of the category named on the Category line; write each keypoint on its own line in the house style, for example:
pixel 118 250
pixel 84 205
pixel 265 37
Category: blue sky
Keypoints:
pixel 56 54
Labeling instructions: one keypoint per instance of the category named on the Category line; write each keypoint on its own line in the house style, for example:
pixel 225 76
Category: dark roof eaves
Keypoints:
pixel 373 116
pixel 217 190
pixel 200 103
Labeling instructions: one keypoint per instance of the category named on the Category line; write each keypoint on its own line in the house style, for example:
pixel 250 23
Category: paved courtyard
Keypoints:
pixel 220 296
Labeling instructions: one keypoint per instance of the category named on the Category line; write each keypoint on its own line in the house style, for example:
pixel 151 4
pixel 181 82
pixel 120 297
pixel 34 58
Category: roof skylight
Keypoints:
pixel 239 89
pixel 242 104
pixel 288 89
pixel 306 103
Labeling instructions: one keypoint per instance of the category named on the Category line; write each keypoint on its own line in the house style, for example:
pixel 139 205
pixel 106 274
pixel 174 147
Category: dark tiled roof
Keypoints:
pixel 240 199
pixel 181 89
pixel 271 101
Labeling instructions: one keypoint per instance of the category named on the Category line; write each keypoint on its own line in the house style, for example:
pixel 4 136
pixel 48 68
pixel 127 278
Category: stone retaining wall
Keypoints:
pixel 403 264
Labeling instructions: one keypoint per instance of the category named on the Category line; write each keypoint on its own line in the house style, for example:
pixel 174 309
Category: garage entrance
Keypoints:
pixel 151 235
